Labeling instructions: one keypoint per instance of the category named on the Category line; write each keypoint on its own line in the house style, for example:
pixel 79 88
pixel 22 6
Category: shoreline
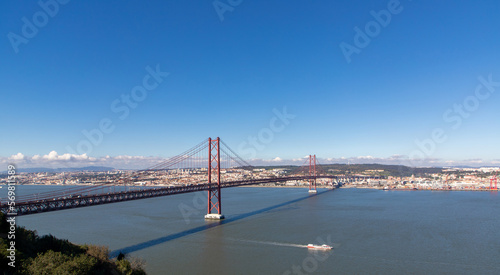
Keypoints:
pixel 277 186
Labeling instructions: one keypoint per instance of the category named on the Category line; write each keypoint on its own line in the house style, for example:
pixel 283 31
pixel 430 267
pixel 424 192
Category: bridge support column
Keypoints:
pixel 493 182
pixel 312 174
pixel 214 180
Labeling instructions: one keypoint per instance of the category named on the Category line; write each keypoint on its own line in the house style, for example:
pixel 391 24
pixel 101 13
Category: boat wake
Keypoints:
pixel 270 243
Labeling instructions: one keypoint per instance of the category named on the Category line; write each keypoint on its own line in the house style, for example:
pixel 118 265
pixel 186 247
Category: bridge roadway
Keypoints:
pixel 75 200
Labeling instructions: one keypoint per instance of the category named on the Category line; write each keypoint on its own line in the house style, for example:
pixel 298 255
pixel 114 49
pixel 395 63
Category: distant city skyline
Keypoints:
pixel 129 84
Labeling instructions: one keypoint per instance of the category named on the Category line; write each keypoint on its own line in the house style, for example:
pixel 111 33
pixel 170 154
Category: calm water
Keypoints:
pixel 372 231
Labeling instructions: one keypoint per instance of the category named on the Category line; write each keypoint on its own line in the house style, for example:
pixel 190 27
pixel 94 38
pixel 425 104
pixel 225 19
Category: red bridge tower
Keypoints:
pixel 312 174
pixel 493 180
pixel 214 180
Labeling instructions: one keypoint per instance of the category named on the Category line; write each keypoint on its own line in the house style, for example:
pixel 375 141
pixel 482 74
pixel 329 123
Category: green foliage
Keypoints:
pixel 137 265
pixel 99 252
pixel 4 225
pixel 125 267
pixel 26 241
pixel 3 253
pixel 49 255
pixel 49 242
pixel 52 262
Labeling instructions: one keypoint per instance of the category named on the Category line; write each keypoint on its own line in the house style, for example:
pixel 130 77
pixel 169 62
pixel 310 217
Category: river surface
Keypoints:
pixel 266 230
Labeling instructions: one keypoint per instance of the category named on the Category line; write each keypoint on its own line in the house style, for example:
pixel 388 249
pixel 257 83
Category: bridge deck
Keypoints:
pixel 75 201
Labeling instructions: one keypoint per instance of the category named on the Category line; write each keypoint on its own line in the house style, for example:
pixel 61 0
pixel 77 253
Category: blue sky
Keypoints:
pixel 227 76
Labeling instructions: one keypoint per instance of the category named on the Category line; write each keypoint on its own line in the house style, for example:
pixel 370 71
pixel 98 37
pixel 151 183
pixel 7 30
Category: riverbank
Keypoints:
pixel 278 186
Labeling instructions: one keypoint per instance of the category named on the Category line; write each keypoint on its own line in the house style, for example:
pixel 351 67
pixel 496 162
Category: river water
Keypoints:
pixel 266 230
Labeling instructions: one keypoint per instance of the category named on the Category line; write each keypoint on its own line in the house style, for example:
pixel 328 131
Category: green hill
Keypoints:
pixel 366 169
pixel 48 255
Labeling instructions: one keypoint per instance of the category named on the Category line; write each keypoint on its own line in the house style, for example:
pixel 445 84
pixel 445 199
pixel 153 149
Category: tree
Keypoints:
pixel 52 262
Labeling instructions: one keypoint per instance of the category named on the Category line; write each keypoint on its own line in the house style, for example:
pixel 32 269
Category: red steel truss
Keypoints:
pixel 214 199
pixel 312 172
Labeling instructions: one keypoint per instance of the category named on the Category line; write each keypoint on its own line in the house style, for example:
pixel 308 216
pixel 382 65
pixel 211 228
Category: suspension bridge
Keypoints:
pixel 208 166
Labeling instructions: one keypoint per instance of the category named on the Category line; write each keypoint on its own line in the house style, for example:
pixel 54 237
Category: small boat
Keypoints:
pixel 315 246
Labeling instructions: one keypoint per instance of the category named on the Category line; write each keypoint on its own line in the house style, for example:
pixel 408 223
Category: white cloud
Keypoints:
pixel 365 157
pixel 54 156
pixel 54 160
pixel 130 157
pixel 17 156
pixel 51 156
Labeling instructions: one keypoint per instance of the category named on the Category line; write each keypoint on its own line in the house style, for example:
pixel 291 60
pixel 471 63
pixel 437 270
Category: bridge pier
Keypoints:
pixel 214 217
